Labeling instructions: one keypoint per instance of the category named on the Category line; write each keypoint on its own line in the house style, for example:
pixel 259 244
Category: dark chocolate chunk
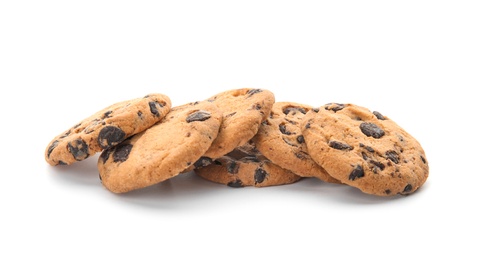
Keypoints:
pixel 253 91
pixel 140 114
pixel 379 116
pixel 357 172
pixel 202 162
pixel 387 191
pixel 365 156
pixel 315 110
pixel 308 125
pixel 290 109
pixel 393 156
pixel 110 136
pixel 300 139
pixel 259 175
pixel 340 146
pixel 235 184
pixel 370 129
pixel 408 188
pixel 121 152
pixel 334 107
pixel 423 159
pixel 301 155
pixel 154 108
pixel 52 146
pixel 107 114
pixel 232 167
pixel 66 134
pixel 257 106
pixel 368 148
pixel 79 149
pixel 106 154
pixel 379 165
pixel 200 115
pixel 282 129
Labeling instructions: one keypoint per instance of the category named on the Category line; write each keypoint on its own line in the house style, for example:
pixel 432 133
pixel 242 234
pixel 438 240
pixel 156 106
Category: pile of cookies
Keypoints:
pixel 242 137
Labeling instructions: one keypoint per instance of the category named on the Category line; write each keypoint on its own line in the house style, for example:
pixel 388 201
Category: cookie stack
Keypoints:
pixel 242 137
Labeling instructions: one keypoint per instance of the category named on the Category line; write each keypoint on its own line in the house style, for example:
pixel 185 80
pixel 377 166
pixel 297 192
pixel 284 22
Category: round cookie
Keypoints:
pixel 106 128
pixel 365 149
pixel 162 151
pixel 238 169
pixel 243 111
pixel 280 140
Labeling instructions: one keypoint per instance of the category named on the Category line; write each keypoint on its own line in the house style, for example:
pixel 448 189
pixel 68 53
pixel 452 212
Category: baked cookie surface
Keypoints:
pixel 365 149
pixel 162 151
pixel 243 111
pixel 238 169
pixel 106 128
pixel 280 140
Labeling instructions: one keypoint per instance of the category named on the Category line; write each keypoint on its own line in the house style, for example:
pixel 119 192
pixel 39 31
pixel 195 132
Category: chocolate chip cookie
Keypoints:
pixel 365 149
pixel 280 140
pixel 238 169
pixel 106 128
pixel 162 151
pixel 243 111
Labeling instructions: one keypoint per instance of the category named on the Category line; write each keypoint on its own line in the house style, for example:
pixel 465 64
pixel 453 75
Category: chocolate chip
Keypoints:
pixel 387 192
pixel 107 114
pixel 79 149
pixel 200 115
pixel 334 107
pixel 202 162
pixel 301 155
pixel 140 114
pixel 290 109
pixel 370 129
pixel 259 175
pixel 393 156
pixel 423 159
pixel 257 106
pixel 368 148
pixel 106 154
pixel 357 172
pixel 340 146
pixel 308 125
pixel 121 152
pixel 66 134
pixel 52 146
pixel 77 125
pixel 232 167
pixel 110 136
pixel 300 139
pixel 365 156
pixel 154 108
pixel 253 91
pixel 235 184
pixel 282 129
pixel 315 110
pixel 379 116
pixel 377 165
pixel 408 188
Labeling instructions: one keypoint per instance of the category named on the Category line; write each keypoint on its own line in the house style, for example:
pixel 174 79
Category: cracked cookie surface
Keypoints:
pixel 280 140
pixel 106 128
pixel 162 151
pixel 365 149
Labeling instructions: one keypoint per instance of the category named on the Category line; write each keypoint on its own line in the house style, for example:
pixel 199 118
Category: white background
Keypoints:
pixel 416 62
